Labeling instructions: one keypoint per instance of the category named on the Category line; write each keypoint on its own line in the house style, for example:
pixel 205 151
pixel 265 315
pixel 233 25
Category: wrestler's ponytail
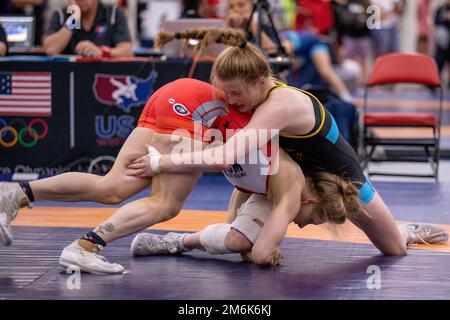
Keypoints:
pixel 206 37
pixel 242 61
pixel 337 198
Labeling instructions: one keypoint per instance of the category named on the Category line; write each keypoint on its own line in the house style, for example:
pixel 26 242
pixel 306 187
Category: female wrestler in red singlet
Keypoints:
pixel 190 107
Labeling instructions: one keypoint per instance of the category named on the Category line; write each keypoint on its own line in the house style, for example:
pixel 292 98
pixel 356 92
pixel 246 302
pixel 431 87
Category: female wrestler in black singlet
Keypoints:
pixel 306 131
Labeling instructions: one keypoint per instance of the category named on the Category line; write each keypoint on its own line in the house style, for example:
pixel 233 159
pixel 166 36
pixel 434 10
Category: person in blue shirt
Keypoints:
pixel 312 62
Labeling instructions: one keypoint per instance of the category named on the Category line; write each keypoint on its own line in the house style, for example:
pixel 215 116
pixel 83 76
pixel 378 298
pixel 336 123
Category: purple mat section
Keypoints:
pixel 312 269
pixel 420 201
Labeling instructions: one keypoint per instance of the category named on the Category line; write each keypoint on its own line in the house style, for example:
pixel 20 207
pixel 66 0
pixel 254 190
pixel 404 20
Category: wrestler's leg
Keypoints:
pixel 380 227
pixel 218 238
pixel 169 191
pixel 112 188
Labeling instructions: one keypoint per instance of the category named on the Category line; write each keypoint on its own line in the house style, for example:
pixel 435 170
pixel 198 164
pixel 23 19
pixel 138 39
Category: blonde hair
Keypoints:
pixel 337 198
pixel 242 61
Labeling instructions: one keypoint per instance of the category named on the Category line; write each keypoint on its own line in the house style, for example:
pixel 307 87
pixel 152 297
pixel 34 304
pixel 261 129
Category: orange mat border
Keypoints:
pixel 187 220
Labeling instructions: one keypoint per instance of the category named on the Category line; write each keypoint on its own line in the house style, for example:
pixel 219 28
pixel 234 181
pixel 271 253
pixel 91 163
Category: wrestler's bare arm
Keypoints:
pixel 285 191
pixel 278 113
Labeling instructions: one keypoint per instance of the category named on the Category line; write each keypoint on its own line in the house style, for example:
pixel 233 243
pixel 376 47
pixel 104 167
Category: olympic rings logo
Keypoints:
pixel 19 131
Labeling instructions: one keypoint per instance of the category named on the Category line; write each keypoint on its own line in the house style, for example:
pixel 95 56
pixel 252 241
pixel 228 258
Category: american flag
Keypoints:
pixel 26 94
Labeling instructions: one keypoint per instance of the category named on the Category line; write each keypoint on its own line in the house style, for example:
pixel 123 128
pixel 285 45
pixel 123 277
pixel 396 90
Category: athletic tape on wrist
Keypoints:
pixel 154 157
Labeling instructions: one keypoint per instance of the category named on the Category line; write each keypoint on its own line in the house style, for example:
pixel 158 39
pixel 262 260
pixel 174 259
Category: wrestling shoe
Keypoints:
pixel 424 233
pixel 76 255
pixel 147 244
pixel 11 196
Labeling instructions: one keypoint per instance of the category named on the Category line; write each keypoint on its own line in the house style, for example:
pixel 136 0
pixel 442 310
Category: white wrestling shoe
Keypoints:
pixel 147 244
pixel 424 233
pixel 10 196
pixel 75 255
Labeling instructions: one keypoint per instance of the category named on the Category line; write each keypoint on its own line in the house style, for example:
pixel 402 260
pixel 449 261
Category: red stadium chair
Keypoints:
pixel 403 68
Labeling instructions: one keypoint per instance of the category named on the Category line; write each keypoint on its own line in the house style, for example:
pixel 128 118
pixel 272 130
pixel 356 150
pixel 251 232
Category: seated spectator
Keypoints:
pixel 3 42
pixel 312 62
pixel 103 32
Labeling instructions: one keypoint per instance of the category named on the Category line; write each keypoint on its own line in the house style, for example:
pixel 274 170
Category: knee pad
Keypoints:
pixel 257 207
pixel 212 238
pixel 246 225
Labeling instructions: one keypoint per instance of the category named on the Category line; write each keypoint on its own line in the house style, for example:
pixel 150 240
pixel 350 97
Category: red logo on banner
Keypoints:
pixel 123 91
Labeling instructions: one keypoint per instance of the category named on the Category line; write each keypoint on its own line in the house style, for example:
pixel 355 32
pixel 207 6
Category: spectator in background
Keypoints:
pixel 442 35
pixel 315 16
pixel 196 9
pixel 289 8
pixel 3 42
pixel 351 24
pixel 123 4
pixel 312 70
pixel 239 12
pixel 34 8
pixel 386 39
pixel 423 25
pixel 191 9
pixel 312 61
pixel 103 32
pixel 208 9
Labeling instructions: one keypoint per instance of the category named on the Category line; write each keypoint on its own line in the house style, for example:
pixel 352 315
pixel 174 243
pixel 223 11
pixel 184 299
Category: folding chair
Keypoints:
pixel 403 68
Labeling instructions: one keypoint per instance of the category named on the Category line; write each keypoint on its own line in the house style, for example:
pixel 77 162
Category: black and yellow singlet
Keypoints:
pixel 324 149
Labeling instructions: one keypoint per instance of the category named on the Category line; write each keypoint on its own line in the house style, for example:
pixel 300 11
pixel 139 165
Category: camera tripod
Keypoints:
pixel 262 8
